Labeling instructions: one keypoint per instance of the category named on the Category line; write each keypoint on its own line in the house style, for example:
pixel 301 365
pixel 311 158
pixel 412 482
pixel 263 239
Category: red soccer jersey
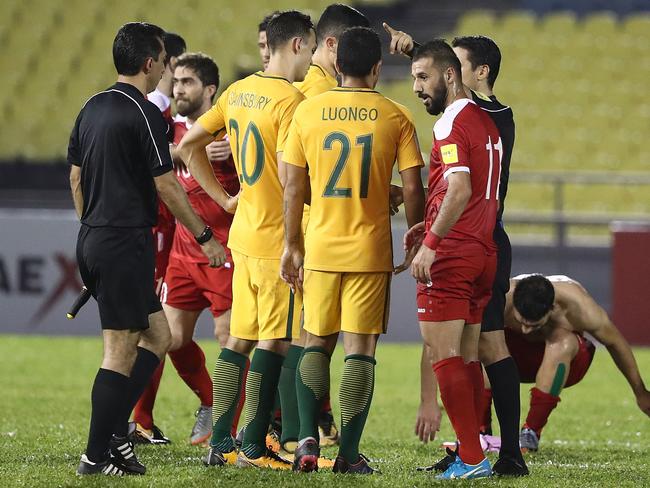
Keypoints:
pixel 185 246
pixel 466 139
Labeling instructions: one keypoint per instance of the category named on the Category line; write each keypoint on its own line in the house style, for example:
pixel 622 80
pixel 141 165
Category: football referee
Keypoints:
pixel 119 157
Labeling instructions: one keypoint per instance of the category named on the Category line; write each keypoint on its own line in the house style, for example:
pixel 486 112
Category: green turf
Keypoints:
pixel 596 437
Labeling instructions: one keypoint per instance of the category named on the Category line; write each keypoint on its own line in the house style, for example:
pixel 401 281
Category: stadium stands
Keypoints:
pixel 575 80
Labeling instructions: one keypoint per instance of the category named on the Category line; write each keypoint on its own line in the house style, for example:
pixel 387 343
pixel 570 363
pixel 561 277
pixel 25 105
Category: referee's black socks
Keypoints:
pixel 504 379
pixel 145 364
pixel 109 395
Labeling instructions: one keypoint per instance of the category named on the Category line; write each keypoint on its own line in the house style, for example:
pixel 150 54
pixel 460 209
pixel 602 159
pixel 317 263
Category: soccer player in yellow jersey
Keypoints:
pixel 320 78
pixel 349 138
pixel 256 113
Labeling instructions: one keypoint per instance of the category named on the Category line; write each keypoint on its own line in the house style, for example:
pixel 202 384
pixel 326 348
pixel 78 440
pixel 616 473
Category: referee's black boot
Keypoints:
pixel 122 454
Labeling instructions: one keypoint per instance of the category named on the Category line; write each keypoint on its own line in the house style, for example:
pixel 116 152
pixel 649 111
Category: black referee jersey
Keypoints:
pixel 505 122
pixel 120 142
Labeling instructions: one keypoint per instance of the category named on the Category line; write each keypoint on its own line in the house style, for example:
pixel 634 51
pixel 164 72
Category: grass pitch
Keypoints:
pixel 596 437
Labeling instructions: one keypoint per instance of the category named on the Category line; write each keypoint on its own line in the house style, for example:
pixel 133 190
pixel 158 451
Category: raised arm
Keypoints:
pixel 594 319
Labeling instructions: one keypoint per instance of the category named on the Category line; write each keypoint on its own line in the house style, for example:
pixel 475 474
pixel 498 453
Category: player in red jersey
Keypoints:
pixel 189 286
pixel 452 253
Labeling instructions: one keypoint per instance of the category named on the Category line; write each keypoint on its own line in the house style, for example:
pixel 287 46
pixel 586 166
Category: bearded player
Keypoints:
pixel 189 286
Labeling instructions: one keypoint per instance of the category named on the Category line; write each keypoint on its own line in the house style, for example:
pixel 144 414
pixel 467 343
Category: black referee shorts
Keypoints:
pixel 117 266
pixel 493 314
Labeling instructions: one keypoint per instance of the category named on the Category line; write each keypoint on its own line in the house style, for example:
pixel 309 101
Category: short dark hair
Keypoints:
pixel 481 50
pixel 440 52
pixel 338 17
pixel 133 44
pixel 533 297
pixel 285 26
pixel 174 44
pixel 265 21
pixel 359 49
pixel 203 65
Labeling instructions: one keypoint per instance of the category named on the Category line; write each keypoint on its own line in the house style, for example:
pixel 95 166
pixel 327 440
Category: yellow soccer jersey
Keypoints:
pixel 256 112
pixel 350 140
pixel 316 81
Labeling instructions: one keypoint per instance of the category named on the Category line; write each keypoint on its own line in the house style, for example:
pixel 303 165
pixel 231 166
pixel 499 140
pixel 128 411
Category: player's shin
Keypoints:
pixel 288 401
pixel 312 386
pixel 261 386
pixel 357 387
pixel 226 380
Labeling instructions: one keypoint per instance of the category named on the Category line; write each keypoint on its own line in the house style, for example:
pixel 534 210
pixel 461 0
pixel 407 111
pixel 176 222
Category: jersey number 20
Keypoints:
pixel 365 141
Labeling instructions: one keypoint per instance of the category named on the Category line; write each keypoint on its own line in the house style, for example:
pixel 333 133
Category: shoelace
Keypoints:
pixel 276 457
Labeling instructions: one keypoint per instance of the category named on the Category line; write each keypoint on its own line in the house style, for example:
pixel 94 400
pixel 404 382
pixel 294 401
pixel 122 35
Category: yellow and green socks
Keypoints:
pixel 226 385
pixel 288 400
pixel 357 386
pixel 312 382
pixel 261 386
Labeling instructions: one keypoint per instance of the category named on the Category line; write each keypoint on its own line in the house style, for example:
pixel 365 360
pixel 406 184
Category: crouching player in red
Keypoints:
pixel 545 320
pixel 190 285
pixel 456 255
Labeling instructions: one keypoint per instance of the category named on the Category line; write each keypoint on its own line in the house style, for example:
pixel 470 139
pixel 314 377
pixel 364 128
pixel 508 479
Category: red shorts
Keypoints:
pixel 461 287
pixel 196 286
pixel 529 356
pixel 163 236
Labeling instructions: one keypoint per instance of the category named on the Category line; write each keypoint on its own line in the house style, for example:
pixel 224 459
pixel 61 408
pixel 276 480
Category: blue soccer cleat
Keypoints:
pixel 459 470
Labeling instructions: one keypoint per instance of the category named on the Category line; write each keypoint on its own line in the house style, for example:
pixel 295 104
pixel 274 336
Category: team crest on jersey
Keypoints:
pixel 449 153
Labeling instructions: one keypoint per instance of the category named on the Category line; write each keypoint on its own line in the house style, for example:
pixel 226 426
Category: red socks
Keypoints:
pixel 189 361
pixel 485 417
pixel 143 410
pixel 541 406
pixel 242 400
pixel 478 383
pixel 457 386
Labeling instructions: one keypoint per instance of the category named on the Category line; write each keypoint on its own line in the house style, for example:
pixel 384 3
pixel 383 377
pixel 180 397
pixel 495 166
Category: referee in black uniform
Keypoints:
pixel 119 157
pixel 480 59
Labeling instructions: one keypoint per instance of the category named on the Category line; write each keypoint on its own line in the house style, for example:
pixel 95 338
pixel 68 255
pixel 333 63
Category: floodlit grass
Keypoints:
pixel 596 437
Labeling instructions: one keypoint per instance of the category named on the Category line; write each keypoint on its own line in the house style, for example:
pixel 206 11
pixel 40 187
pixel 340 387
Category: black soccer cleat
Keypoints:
pixel 510 466
pixel 139 435
pixel 327 431
pixel 306 456
pixel 442 465
pixel 122 454
pixel 87 467
pixel 360 467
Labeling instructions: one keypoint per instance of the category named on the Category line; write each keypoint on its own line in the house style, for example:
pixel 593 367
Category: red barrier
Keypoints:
pixel 631 281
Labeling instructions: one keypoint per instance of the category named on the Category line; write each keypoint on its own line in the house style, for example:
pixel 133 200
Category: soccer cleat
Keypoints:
pixel 139 435
pixel 327 431
pixel 273 441
pixel 202 429
pixel 87 467
pixel 459 470
pixel 122 455
pixel 528 440
pixel 306 456
pixel 269 460
pixel 442 465
pixel 360 467
pixel 509 466
pixel 218 458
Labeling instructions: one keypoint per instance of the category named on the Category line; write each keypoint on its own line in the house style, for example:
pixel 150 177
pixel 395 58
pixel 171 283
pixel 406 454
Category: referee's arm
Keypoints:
pixel 75 186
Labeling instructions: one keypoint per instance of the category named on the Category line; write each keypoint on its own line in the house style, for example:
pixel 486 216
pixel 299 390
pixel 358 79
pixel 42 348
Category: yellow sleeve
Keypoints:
pixel 287 110
pixel 294 151
pixel 408 151
pixel 213 121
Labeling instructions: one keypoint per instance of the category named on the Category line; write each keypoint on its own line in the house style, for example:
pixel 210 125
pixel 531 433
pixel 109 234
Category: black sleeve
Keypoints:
pixel 412 51
pixel 153 136
pixel 74 152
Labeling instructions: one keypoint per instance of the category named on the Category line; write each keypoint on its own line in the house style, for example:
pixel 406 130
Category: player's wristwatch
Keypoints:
pixel 204 236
